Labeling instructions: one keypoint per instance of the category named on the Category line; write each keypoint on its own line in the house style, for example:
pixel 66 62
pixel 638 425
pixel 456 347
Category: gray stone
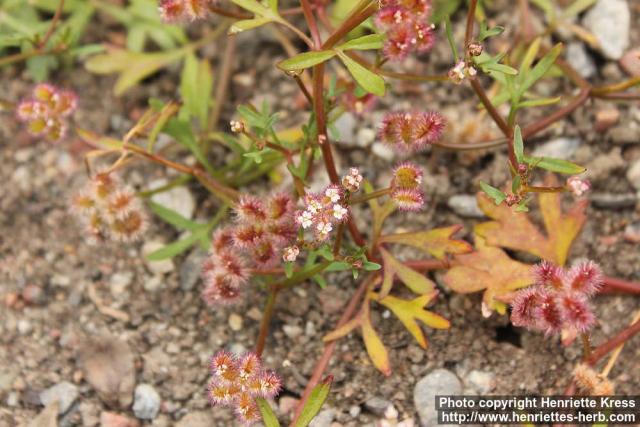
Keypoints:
pixel 480 381
pixel 628 133
pixel 292 331
pixel 632 232
pixel 465 205
pixel 119 282
pixel 365 137
pixel 191 268
pixel 178 199
pixel 560 148
pixel 346 127
pixel 437 382
pixel 383 151
pixel 579 59
pixel 197 419
pixel 633 175
pixel 324 418
pixel 613 201
pixel 157 267
pixel 146 402
pixel 609 21
pixel 354 411
pixel 377 405
pixel 64 393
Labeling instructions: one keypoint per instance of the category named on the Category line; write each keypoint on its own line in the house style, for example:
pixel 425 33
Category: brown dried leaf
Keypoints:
pixel 490 269
pixel 514 230
pixel 437 242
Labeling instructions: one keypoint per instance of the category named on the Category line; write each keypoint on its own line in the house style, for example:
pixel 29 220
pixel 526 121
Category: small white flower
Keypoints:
pixel 339 212
pixel 236 126
pixel 578 186
pixel 305 219
pixel 324 228
pixel 333 194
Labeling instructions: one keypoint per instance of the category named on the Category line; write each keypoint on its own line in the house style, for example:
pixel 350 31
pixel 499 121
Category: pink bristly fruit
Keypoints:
pixel 237 381
pixel 410 132
pixel 46 111
pixel 172 11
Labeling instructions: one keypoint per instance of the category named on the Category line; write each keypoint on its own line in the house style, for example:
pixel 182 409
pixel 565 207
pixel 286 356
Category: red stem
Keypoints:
pixel 611 284
pixel 324 360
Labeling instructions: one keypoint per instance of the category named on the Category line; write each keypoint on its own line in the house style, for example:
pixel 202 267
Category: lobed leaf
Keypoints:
pixel 489 269
pixel 515 231
pixel 410 312
pixel 414 280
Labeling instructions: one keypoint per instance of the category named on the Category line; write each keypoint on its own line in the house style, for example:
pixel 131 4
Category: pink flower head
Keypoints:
pixel 576 313
pixel 270 384
pixel 222 240
pixel 399 42
pixel 548 274
pixel 416 7
pixel 585 278
pixel 578 186
pixel 425 37
pixel 391 16
pixel 279 206
pixel 224 366
pixel 407 176
pixel 408 200
pixel 411 131
pixel 246 409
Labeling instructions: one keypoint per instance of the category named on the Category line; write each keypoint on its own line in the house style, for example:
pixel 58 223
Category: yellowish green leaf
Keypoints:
pixel 414 280
pixel 437 242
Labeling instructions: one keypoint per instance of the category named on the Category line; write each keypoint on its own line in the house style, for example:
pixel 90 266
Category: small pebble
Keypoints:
pixel 146 402
pixel 64 393
pixel 235 322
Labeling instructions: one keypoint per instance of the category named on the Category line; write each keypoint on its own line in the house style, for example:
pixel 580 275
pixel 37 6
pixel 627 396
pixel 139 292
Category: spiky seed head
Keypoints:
pixel 279 206
pixel 427 128
pixel 399 42
pixel 551 319
pixel 44 92
pixel 249 366
pixel 408 200
pixel 247 409
pixel 248 236
pixel 219 290
pixel 576 312
pixel 82 203
pixel 222 240
pixel 65 102
pixel 475 49
pixel 270 384
pixel 548 274
pixel 264 254
pixel 224 366
pixel 230 265
pixel 585 277
pixel 121 203
pixel 525 307
pixel 250 209
pixel 221 393
pixel 407 176
pixel 129 228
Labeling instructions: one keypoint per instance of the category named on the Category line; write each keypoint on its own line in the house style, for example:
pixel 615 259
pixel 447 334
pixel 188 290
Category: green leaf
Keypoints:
pixel 371 41
pixel 555 165
pixel 369 81
pixel 306 60
pixel 173 217
pixel 371 266
pixel 527 60
pixel 183 133
pixel 499 68
pixel 540 102
pixel 518 144
pixel 177 247
pixel 248 24
pixel 497 195
pixel 273 4
pixel 196 85
pixel 486 32
pixel 132 66
pixel 577 7
pixel 540 68
pixel 316 399
pixel 288 269
pixel 268 416
pixel 515 184
pixel 442 9
pixel 251 5
pixel 450 39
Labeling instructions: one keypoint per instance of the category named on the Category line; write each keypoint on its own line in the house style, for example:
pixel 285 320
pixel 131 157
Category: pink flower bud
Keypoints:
pixel 577 185
pixel 290 253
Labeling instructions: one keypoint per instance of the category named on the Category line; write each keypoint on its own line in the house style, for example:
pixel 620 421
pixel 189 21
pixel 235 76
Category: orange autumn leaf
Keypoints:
pixel 414 280
pixel 489 269
pixel 514 230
